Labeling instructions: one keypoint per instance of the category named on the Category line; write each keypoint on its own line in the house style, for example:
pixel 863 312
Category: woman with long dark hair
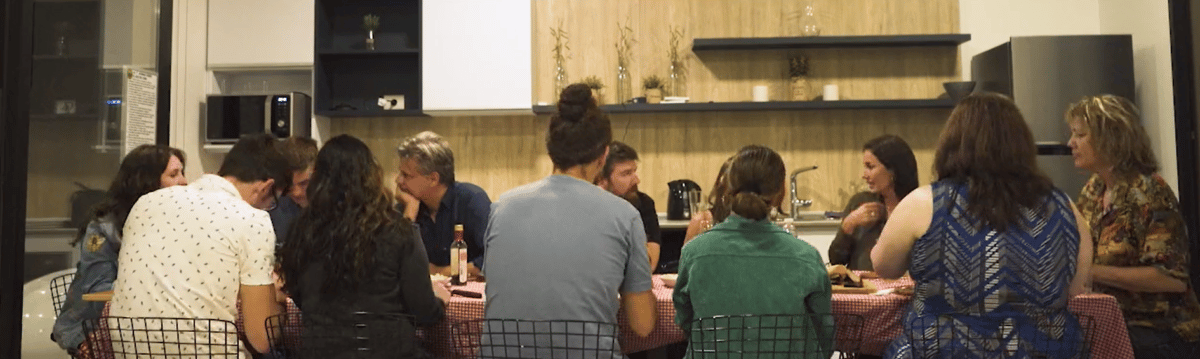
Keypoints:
pixel 890 171
pixel 717 211
pixel 995 250
pixel 145 169
pixel 748 265
pixel 351 251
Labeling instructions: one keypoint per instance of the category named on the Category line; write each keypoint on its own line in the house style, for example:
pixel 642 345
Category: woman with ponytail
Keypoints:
pixel 746 264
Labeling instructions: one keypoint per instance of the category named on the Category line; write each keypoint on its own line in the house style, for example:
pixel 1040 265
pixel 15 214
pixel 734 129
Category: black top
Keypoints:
pixel 398 285
pixel 465 204
pixel 285 212
pixel 645 207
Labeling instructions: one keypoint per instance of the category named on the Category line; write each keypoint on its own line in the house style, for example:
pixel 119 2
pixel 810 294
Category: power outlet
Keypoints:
pixel 391 102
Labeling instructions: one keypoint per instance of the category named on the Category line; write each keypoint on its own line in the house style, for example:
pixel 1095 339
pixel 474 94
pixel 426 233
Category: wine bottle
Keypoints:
pixel 458 257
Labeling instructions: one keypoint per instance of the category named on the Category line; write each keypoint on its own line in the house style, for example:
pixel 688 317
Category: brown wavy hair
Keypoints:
pixel 1115 125
pixel 717 204
pixel 755 182
pixel 349 216
pixel 140 173
pixel 987 146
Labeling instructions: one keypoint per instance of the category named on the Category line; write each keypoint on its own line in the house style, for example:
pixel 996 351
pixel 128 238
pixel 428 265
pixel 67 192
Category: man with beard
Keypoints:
pixel 620 177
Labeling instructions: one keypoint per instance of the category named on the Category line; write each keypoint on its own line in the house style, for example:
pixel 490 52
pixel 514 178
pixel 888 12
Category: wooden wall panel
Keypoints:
pixel 502 152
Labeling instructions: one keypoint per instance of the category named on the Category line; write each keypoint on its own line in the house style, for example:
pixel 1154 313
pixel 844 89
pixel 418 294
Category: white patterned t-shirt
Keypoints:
pixel 187 249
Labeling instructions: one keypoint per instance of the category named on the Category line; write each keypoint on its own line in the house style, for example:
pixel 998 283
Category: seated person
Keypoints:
pixel 890 170
pixel 436 202
pixel 145 169
pixel 197 251
pixel 300 153
pixel 620 177
pixel 717 211
pixel 748 265
pixel 994 249
pixel 562 248
pixel 352 251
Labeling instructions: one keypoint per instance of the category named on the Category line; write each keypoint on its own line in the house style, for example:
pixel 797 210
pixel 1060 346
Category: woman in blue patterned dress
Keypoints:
pixel 995 250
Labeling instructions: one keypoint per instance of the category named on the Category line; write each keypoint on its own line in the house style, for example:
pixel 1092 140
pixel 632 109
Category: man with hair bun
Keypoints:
pixel 562 248
pixel 432 199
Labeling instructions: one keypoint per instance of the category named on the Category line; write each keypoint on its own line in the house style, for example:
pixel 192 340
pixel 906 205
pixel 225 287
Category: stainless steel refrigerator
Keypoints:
pixel 1044 75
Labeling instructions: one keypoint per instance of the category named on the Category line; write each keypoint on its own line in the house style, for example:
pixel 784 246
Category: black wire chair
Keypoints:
pixel 154 337
pixel 948 336
pixel 359 335
pixel 58 290
pixel 815 335
pixel 517 338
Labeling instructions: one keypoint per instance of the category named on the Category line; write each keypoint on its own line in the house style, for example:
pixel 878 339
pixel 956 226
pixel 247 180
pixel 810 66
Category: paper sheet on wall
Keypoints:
pixel 139 119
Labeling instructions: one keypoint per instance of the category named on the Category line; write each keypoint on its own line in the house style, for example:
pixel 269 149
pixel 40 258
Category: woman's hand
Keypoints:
pixel 441 289
pixel 866 214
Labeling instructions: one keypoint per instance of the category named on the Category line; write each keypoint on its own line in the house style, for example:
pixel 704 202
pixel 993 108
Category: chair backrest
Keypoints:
pixel 58 290
pixel 1037 336
pixel 814 335
pixel 517 338
pixel 146 337
pixel 359 335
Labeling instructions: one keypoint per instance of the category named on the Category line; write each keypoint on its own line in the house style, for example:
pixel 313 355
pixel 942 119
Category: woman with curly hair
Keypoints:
pixel 145 169
pixel 352 252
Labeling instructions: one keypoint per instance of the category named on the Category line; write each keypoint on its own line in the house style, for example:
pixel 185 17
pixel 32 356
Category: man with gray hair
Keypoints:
pixel 433 200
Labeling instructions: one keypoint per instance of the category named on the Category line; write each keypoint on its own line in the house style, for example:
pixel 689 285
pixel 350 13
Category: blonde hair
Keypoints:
pixel 1115 126
pixel 432 154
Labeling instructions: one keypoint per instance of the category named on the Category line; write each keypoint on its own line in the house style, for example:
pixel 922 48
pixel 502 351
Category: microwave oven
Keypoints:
pixel 231 116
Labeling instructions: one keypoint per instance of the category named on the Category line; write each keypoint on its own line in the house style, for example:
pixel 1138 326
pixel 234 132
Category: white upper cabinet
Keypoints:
pixel 260 33
pixel 476 55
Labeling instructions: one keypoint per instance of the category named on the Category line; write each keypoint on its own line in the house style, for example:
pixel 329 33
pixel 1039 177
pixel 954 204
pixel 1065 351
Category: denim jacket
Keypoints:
pixel 95 272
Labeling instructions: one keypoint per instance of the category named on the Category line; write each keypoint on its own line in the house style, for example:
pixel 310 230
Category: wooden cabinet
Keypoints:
pixel 477 55
pixel 260 33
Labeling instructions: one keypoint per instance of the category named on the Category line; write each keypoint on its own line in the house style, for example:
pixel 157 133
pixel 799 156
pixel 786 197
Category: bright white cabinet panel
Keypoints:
pixel 476 55
pixel 260 33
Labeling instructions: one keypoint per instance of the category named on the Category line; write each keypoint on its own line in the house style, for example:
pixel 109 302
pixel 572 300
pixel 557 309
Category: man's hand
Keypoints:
pixel 411 204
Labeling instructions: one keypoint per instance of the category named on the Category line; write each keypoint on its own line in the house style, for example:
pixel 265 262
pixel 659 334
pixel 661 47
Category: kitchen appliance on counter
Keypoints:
pixel 1044 75
pixel 283 115
pixel 683 198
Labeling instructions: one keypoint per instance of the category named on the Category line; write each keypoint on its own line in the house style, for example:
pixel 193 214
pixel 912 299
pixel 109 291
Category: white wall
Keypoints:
pixel 1147 21
pixel 189 79
pixel 991 23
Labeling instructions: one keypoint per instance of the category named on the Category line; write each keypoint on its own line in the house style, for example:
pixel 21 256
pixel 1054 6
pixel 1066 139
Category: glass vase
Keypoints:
pixel 801 88
pixel 809 24
pixel 624 85
pixel 678 80
pixel 560 79
pixel 370 39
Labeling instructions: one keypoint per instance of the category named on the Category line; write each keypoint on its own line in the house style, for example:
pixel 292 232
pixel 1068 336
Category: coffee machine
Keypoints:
pixel 683 196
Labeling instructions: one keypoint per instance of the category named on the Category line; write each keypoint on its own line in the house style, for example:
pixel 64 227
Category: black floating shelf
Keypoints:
pixel 815 42
pixel 371 113
pixel 770 106
pixel 363 52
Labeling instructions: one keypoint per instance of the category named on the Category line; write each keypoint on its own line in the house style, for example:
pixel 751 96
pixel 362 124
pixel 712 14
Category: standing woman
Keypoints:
pixel 352 251
pixel 890 170
pixel 989 194
pixel 1141 239
pixel 145 169
pixel 748 265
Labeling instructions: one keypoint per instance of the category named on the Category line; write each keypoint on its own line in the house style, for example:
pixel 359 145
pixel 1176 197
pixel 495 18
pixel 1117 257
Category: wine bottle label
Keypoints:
pixel 462 265
pixel 454 262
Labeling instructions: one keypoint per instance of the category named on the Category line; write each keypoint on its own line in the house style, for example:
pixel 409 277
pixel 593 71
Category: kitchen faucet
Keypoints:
pixel 796 202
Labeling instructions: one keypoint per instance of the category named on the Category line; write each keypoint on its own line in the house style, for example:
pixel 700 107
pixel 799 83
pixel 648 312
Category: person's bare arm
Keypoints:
pixel 1137 279
pixel 1083 267
pixel 653 249
pixel 893 252
pixel 258 303
pixel 698 225
pixel 641 311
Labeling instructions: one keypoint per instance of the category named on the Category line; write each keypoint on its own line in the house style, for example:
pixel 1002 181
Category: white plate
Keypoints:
pixel 669 279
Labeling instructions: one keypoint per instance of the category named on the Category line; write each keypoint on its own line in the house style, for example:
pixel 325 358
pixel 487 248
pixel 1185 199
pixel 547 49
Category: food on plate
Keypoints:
pixel 839 275
pixel 669 279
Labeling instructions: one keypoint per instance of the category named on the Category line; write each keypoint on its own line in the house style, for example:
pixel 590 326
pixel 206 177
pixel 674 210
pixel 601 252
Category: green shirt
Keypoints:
pixel 742 266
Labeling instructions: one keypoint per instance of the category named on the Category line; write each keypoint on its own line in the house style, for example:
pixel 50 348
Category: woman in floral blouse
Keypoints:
pixel 1140 237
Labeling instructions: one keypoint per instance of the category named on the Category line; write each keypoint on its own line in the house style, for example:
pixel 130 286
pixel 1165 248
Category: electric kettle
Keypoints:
pixel 683 196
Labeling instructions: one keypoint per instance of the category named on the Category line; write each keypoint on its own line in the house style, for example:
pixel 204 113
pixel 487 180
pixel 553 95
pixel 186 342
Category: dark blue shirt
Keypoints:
pixel 465 204
pixel 285 212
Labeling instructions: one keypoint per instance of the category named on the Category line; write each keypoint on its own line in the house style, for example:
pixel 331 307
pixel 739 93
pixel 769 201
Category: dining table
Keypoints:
pixel 882 313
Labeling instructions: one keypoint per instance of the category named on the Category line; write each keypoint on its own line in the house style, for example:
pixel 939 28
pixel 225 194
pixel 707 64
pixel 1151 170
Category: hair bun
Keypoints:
pixel 574 101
